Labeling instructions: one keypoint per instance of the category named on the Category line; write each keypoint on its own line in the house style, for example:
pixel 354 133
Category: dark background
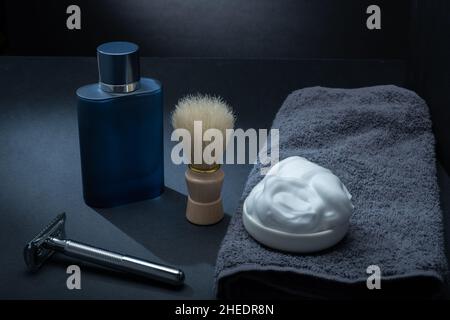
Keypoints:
pixel 430 66
pixel 415 31
pixel 211 28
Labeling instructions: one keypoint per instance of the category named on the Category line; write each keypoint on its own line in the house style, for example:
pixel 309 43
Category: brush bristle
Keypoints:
pixel 213 111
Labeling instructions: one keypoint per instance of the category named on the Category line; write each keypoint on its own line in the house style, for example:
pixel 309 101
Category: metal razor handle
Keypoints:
pixel 117 261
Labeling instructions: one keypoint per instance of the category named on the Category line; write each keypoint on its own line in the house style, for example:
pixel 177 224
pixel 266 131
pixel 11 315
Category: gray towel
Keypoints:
pixel 378 141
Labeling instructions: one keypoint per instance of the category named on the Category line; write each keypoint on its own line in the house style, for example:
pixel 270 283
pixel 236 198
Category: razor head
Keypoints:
pixel 36 252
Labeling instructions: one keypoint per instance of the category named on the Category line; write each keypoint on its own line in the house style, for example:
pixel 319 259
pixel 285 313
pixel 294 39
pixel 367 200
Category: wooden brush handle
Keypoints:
pixel 204 205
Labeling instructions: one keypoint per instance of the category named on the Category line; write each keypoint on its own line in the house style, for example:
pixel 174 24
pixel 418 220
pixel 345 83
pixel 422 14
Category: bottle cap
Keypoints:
pixel 118 66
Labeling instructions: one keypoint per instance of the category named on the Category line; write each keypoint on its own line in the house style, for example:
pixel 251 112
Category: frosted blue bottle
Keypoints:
pixel 120 122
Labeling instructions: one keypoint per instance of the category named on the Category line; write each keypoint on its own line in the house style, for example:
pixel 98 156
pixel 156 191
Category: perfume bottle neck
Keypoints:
pixel 120 88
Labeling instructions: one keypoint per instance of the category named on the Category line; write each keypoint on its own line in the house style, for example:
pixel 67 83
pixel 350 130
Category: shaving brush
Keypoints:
pixel 204 179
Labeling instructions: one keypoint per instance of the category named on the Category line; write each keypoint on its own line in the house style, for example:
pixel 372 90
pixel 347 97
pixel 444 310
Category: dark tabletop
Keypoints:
pixel 40 170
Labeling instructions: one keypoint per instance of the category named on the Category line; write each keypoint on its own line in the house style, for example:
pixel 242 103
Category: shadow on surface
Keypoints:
pixel 62 261
pixel 160 225
pixel 444 185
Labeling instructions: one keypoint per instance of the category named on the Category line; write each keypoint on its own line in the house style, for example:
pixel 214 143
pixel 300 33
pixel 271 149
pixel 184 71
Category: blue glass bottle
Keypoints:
pixel 120 121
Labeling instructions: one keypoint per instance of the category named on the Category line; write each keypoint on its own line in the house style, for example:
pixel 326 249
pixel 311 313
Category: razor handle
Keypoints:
pixel 116 261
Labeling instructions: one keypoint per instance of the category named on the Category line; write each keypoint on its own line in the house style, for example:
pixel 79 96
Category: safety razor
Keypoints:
pixel 53 239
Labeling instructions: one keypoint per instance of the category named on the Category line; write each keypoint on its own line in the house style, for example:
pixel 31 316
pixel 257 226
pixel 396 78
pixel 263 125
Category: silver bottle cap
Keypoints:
pixel 118 66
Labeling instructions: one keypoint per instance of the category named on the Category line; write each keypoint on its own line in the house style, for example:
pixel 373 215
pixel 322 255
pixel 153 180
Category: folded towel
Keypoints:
pixel 378 141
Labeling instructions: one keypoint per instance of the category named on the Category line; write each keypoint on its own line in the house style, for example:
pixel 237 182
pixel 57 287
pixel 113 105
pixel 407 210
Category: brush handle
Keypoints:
pixel 204 205
pixel 117 261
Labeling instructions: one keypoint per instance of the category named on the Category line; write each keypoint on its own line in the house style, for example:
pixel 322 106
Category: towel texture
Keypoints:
pixel 378 141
